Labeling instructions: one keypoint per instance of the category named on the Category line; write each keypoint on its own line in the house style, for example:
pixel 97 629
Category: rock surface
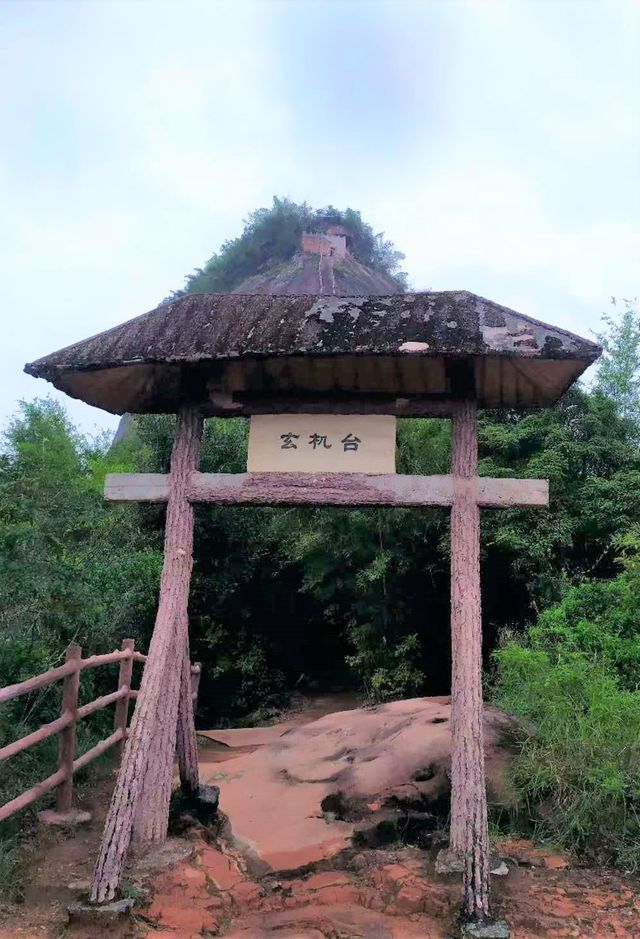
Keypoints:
pixel 497 929
pixel 99 916
pixel 524 852
pixel 381 894
pixel 300 797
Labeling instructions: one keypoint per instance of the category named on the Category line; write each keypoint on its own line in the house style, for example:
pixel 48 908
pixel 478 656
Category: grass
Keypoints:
pixel 577 774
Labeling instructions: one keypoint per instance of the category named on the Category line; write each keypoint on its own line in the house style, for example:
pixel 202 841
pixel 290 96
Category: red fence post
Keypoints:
pixel 67 738
pixel 121 715
pixel 64 813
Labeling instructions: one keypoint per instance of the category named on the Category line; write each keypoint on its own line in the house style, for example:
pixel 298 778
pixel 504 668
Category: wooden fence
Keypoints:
pixel 70 714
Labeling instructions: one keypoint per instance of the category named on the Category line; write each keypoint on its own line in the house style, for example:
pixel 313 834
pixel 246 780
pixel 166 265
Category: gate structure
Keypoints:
pixel 303 360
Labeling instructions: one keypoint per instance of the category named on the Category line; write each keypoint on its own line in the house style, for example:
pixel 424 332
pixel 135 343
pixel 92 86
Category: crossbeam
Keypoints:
pixel 343 489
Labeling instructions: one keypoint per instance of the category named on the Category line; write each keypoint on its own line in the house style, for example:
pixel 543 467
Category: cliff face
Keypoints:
pixel 320 274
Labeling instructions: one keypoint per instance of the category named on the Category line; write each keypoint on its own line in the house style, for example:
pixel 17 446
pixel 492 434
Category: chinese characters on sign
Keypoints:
pixel 350 442
pixel 288 441
pixel 318 440
pixel 331 443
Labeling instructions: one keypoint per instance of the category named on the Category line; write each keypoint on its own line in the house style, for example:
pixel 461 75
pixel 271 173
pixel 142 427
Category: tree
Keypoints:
pixel 73 567
pixel 619 368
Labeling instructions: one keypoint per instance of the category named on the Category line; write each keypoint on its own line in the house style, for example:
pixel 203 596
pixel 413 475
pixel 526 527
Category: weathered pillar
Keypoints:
pixel 147 763
pixel 150 821
pixel 469 835
pixel 187 746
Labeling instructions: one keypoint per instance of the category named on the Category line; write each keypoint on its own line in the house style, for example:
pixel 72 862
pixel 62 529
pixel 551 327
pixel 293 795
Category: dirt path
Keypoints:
pixel 284 868
pixel 56 869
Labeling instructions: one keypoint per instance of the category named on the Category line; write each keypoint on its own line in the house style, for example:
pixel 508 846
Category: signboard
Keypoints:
pixel 322 443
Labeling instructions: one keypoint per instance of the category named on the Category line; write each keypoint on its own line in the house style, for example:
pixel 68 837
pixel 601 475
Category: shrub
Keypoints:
pixel 578 771
pixel 74 569
pixel 599 619
pixel 386 671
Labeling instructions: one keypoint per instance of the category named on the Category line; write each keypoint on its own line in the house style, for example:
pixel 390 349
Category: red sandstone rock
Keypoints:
pixel 341 920
pixel 191 880
pixel 525 852
pixel 394 873
pixel 273 797
pixel 410 899
pixel 414 864
pixel 555 862
pixel 190 917
pixel 563 907
pixel 222 869
pixel 327 879
pixel 246 893
pixel 273 800
pixel 336 895
pixel 240 737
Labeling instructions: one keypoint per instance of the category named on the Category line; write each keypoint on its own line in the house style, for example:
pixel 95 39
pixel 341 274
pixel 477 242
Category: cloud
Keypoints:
pixel 474 218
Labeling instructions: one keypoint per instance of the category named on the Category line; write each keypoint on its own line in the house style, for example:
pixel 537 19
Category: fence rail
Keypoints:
pixel 65 725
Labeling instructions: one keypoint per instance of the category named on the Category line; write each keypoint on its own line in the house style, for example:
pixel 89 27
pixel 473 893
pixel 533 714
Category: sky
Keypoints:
pixel 496 143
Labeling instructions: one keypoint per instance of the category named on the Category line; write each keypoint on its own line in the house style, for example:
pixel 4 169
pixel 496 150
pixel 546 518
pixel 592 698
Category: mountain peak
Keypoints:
pixel 323 266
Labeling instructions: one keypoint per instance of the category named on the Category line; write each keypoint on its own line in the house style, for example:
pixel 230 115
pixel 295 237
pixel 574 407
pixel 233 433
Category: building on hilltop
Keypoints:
pixel 327 244
pixel 322 266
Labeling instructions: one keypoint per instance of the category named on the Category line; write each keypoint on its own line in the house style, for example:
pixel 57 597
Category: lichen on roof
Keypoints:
pixel 216 328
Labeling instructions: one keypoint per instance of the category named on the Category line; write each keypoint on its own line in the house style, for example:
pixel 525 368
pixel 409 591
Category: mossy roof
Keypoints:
pixel 222 344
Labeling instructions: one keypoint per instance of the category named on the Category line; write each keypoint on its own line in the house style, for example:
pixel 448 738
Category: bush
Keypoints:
pixel 578 771
pixel 575 680
pixel 244 671
pixel 386 671
pixel 599 619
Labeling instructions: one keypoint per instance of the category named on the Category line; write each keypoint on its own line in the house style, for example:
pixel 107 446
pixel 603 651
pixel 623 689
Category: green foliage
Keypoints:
pixel 578 771
pixel 573 678
pixel 387 672
pixel 587 451
pixel 619 367
pixel 243 667
pixel 274 235
pixel 599 619
pixel 72 568
pixel 261 686
pixel 9 868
